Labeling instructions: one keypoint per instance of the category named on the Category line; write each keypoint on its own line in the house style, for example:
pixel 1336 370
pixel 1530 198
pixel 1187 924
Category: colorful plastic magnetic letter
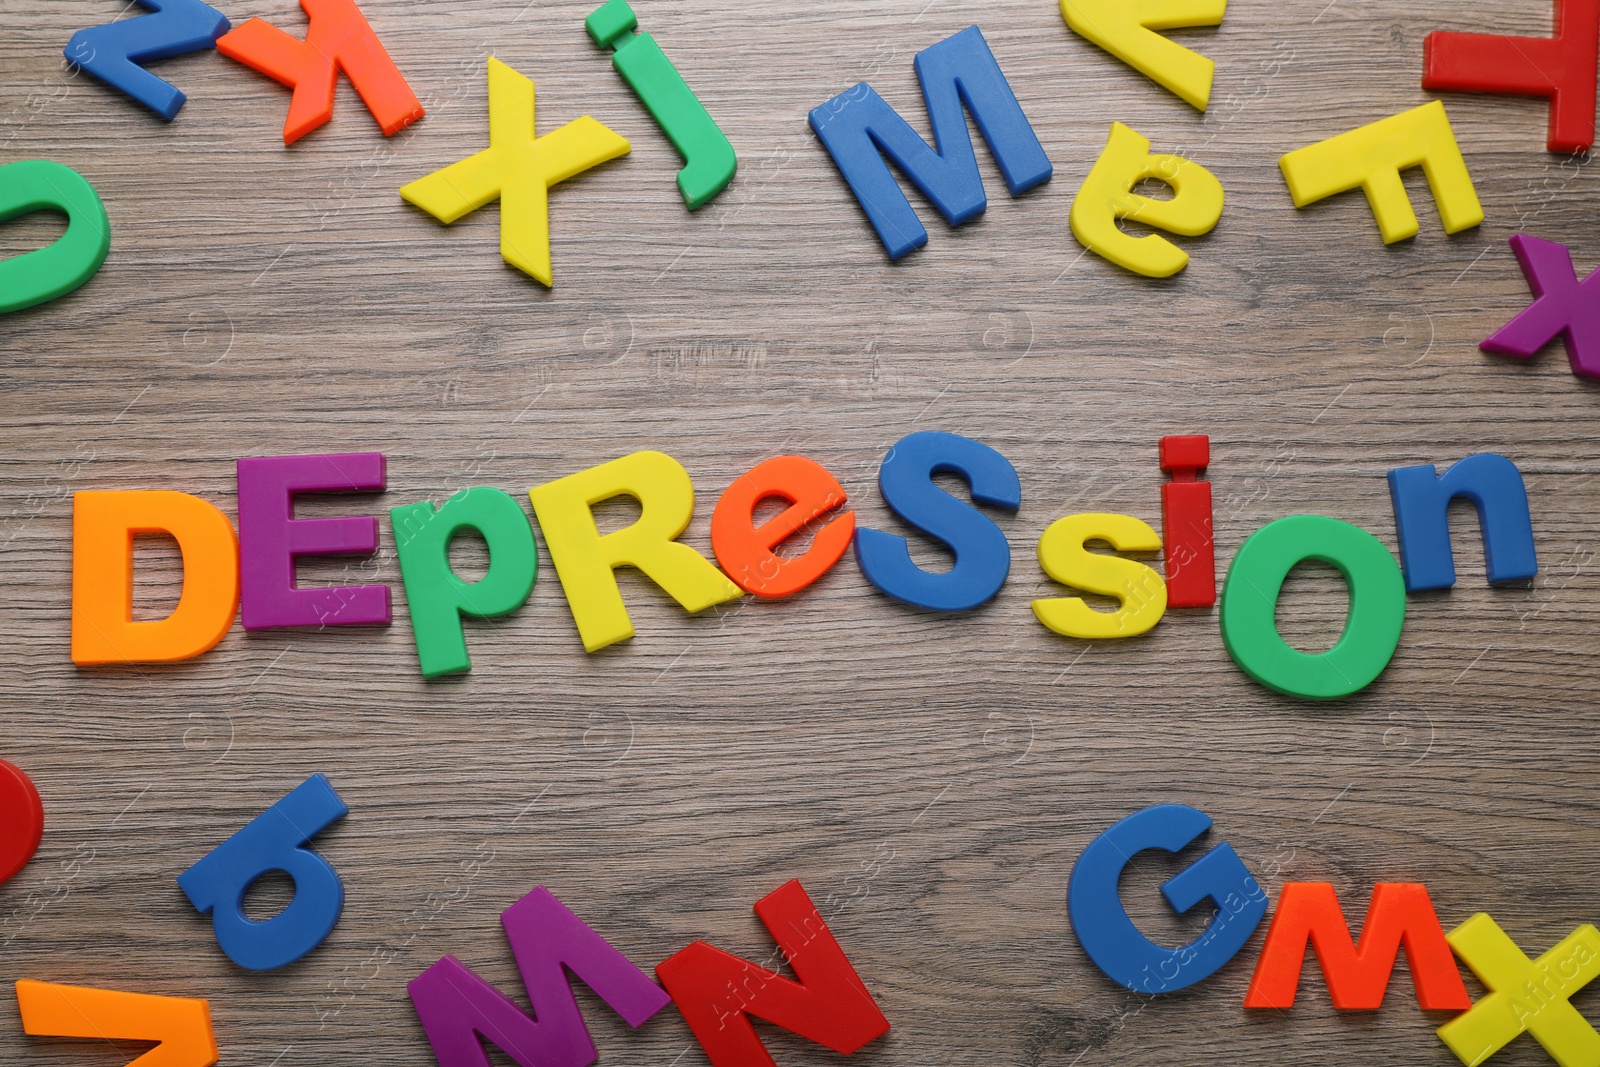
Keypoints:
pixel 1372 157
pixel 864 135
pixel 114 52
pixel 517 169
pixel 21 820
pixel 983 556
pixel 586 561
pixel 1063 555
pixel 1107 195
pixel 438 599
pixel 57 269
pixel 708 158
pixel 181 1027
pixel 1525 996
pixel 717 993
pixel 270 538
pixel 1111 939
pixel 338 38
pixel 274 841
pixel 1562 307
pixel 1562 69
pixel 104 525
pixel 1357 976
pixel 1127 29
pixel 745 550
pixel 459 1010
pixel 1421 497
pixel 1186 523
pixel 1250 603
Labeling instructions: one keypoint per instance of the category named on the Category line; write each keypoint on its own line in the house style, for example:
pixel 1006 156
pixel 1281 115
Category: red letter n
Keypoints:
pixel 716 992
pixel 1357 977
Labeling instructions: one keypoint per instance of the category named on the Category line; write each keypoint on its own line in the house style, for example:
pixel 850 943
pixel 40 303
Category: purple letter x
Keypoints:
pixel 1563 306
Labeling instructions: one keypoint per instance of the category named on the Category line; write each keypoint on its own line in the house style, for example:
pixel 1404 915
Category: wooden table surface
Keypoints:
pixel 930 779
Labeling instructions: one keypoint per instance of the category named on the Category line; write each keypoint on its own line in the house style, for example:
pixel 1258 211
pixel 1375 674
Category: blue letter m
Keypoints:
pixel 864 134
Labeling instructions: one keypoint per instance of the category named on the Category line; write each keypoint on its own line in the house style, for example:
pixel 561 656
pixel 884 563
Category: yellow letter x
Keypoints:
pixel 1524 995
pixel 518 167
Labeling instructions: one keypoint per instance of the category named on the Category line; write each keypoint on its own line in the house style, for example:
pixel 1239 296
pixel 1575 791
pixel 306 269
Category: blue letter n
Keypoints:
pixel 1421 498
pixel 864 135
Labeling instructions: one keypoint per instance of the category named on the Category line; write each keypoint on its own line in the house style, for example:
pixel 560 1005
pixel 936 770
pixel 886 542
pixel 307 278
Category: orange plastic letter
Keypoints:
pixel 1357 977
pixel 338 39
pixel 746 551
pixel 103 528
pixel 180 1025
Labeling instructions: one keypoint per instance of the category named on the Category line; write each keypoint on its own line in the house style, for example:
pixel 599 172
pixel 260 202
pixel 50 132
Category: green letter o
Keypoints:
pixel 57 269
pixel 1250 604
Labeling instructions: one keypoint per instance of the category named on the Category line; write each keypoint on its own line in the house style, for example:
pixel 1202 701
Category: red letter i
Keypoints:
pixel 1186 522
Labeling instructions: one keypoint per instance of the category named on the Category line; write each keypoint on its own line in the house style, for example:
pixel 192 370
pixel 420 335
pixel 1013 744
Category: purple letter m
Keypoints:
pixel 459 1010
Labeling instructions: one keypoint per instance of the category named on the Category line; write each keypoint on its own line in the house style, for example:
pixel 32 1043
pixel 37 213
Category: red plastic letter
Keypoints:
pixel 22 825
pixel 1186 523
pixel 716 992
pixel 1561 68
pixel 339 38
pixel 746 552
pixel 1357 977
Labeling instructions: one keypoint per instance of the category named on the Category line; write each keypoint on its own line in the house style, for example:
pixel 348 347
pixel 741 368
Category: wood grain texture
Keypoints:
pixel 930 779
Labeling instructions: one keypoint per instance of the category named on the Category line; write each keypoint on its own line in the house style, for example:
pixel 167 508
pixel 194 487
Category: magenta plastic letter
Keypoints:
pixel 459 1010
pixel 1563 307
pixel 270 538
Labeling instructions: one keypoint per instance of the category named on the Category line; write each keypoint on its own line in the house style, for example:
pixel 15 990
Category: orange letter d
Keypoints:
pixel 104 525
